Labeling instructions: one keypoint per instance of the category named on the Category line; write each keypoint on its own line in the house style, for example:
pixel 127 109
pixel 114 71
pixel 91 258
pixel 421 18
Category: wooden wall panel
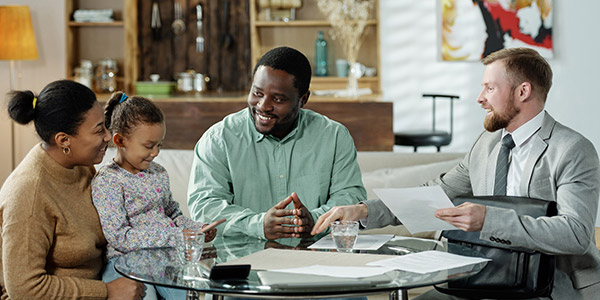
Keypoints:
pixel 372 131
pixel 370 123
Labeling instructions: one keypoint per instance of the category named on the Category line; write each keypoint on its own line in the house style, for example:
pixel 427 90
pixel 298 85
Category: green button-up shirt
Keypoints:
pixel 239 173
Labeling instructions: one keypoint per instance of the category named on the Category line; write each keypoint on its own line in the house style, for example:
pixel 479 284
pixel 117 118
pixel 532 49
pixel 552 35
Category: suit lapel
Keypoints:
pixel 538 148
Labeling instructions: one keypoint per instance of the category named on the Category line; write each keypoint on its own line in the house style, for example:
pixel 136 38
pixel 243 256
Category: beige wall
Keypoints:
pixel 48 18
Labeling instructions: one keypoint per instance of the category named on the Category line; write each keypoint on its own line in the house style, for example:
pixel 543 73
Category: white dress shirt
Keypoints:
pixel 519 154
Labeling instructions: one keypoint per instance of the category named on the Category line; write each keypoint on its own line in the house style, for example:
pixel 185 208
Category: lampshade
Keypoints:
pixel 17 40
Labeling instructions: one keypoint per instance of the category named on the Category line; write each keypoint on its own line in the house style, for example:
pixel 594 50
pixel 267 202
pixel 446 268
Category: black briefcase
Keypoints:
pixel 514 272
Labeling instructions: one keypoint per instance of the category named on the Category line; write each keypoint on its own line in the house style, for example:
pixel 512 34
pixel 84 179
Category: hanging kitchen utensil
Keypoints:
pixel 178 25
pixel 200 34
pixel 155 23
pixel 226 38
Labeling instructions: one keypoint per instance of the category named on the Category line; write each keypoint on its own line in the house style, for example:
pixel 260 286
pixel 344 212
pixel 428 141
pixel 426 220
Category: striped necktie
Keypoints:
pixel 502 165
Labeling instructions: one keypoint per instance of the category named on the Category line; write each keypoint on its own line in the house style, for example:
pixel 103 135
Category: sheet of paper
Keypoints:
pixel 363 242
pixel 344 272
pixel 294 280
pixel 415 207
pixel 428 261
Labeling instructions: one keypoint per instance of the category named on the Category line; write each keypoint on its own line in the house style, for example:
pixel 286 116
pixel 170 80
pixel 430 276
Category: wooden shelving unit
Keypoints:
pixel 95 40
pixel 301 34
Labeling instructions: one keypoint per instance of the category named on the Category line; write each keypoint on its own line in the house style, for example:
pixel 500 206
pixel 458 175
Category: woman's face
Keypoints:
pixel 88 145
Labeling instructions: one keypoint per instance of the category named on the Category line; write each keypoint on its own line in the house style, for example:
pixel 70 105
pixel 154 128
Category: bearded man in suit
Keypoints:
pixel 547 161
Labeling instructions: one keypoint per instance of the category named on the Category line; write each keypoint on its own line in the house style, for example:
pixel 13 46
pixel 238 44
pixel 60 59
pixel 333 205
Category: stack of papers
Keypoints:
pixel 298 278
pixel 334 269
pixel 341 272
pixel 289 268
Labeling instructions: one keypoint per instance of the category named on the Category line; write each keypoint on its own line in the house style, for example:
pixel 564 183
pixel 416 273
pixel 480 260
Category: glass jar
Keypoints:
pixel 185 82
pixel 106 75
pixel 200 81
pixel 84 73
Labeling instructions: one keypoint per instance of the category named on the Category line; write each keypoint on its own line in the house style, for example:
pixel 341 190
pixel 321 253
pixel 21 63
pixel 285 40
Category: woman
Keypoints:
pixel 52 241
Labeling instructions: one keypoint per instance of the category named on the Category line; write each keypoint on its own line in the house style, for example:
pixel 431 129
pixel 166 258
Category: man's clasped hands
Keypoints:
pixel 285 223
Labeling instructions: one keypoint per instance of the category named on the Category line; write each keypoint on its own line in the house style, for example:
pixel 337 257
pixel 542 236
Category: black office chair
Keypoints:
pixel 431 137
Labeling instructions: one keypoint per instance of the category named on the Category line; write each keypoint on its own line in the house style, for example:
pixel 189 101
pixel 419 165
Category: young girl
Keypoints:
pixel 132 193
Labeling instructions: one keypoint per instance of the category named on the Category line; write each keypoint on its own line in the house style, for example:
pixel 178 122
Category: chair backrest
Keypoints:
pixel 451 97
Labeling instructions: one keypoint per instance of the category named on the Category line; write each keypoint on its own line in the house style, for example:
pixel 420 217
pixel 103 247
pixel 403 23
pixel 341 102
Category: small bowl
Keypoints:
pixel 154 77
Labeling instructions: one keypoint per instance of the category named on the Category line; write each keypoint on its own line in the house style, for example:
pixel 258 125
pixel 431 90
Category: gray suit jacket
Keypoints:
pixel 563 167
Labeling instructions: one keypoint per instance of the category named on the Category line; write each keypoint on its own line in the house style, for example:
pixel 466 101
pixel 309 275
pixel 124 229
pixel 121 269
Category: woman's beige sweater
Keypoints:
pixel 52 241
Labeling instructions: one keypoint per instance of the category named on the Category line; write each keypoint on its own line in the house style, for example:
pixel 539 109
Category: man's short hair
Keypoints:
pixel 525 65
pixel 291 61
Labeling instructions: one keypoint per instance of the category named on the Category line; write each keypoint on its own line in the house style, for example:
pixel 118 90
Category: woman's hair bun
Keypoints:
pixel 20 106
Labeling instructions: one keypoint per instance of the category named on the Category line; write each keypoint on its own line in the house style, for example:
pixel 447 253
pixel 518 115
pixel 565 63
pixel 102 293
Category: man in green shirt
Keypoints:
pixel 254 163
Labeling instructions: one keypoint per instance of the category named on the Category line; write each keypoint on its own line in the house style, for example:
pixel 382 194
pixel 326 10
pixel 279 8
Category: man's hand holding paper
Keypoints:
pixel 467 216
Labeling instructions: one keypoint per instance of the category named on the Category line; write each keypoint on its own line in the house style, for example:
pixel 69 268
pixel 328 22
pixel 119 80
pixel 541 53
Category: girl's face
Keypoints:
pixel 139 147
pixel 88 145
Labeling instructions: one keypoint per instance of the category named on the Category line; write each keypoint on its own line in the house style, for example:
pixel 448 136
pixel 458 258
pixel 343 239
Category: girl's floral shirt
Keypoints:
pixel 137 210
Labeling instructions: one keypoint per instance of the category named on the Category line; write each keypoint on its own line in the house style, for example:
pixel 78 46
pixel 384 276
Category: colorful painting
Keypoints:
pixel 472 29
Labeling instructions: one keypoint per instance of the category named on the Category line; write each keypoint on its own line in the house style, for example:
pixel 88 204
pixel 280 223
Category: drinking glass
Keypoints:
pixel 189 244
pixel 344 234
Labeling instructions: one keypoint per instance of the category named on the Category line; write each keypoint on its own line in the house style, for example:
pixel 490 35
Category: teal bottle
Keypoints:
pixel 320 55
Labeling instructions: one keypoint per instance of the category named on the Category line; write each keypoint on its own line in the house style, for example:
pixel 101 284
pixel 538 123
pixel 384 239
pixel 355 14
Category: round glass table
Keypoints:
pixel 161 266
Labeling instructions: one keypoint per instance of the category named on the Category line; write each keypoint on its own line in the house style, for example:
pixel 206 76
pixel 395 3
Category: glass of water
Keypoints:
pixel 344 234
pixel 190 244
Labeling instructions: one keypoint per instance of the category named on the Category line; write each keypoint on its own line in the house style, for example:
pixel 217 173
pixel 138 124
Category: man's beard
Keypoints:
pixel 498 121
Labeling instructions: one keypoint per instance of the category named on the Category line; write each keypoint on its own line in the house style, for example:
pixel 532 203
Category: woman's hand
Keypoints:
pixel 126 289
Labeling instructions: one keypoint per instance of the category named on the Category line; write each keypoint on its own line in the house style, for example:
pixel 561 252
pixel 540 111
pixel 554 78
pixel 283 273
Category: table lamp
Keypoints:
pixel 17 42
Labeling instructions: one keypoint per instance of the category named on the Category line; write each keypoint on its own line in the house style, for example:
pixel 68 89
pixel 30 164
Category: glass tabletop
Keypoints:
pixel 161 266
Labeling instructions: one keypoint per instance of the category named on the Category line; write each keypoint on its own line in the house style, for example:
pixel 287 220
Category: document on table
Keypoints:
pixel 338 271
pixel 305 277
pixel 415 207
pixel 363 242
pixel 428 261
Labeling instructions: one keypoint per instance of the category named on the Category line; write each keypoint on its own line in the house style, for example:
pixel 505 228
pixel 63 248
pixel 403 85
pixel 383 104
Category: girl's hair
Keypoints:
pixel 60 107
pixel 124 113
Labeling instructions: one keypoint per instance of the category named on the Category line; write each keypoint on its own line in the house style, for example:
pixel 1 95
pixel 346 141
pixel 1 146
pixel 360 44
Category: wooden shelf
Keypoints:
pixel 301 23
pixel 95 24
pixel 98 40
pixel 301 33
